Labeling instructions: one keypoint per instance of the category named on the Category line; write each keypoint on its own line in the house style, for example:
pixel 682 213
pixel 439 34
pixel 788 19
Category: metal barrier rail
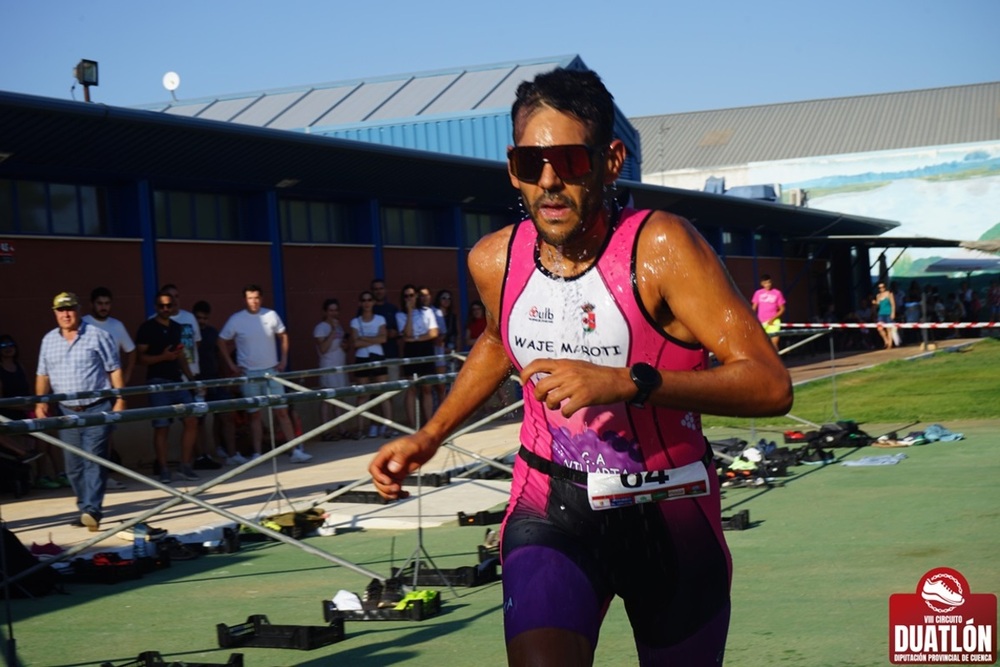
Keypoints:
pixel 898 325
pixel 218 382
pixel 198 408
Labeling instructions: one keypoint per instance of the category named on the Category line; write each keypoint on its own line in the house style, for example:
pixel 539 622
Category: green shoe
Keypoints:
pixel 63 480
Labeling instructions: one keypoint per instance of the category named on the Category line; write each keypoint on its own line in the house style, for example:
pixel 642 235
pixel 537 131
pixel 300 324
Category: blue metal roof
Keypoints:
pixel 460 111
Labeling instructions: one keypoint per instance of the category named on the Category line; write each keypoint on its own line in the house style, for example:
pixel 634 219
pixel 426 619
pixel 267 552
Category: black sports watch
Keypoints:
pixel 647 379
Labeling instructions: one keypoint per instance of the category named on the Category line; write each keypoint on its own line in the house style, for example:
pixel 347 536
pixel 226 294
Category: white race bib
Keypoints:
pixel 607 490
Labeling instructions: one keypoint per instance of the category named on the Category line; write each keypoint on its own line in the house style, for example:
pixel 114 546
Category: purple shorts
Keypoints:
pixel 667 561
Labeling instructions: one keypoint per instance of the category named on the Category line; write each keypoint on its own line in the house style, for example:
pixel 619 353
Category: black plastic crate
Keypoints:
pixel 738 521
pixel 469 576
pixel 431 479
pixel 258 632
pixel 481 518
pixel 416 610
pixel 366 497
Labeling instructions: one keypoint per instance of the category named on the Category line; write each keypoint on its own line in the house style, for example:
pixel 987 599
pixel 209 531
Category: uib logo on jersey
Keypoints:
pixel 943 623
pixel 536 314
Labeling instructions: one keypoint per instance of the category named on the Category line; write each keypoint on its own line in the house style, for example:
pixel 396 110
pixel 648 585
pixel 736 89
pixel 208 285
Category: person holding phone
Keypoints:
pixel 159 342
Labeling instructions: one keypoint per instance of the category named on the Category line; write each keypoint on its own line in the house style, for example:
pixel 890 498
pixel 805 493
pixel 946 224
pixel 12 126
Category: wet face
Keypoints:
pixel 101 307
pixel 253 301
pixel 563 210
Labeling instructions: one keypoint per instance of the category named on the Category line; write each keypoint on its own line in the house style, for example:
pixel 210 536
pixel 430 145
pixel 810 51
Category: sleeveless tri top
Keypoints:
pixel 597 317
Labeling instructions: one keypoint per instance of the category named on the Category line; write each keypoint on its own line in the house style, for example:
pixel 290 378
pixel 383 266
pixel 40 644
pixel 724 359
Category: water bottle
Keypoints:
pixel 139 543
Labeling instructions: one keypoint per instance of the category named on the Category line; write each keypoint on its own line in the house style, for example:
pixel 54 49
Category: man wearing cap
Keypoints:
pixel 75 357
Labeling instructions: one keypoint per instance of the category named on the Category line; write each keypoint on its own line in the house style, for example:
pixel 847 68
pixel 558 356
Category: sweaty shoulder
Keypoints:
pixel 487 263
pixel 673 263
pixel 488 258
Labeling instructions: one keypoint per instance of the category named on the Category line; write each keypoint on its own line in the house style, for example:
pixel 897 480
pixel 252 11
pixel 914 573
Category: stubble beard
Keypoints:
pixel 587 214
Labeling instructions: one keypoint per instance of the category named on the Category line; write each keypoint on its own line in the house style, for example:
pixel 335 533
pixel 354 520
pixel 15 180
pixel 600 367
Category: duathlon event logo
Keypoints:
pixel 943 623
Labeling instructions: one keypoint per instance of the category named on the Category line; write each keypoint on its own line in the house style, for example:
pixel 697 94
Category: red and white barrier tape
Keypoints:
pixel 898 325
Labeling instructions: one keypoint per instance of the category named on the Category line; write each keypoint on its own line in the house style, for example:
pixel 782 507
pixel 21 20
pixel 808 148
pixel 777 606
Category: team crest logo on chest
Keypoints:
pixel 589 319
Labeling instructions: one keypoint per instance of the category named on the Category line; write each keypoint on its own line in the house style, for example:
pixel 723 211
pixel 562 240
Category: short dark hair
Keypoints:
pixel 165 291
pixel 98 292
pixel 330 302
pixel 170 286
pixel 202 307
pixel 579 93
pixel 765 276
pixel 252 288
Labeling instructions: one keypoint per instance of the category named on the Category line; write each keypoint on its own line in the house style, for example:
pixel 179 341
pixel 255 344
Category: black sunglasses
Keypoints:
pixel 165 305
pixel 570 161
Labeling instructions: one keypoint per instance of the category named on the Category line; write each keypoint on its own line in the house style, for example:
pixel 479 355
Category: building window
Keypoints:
pixel 413 227
pixel 318 222
pixel 54 209
pixel 768 245
pixel 200 215
pixel 735 243
pixel 478 225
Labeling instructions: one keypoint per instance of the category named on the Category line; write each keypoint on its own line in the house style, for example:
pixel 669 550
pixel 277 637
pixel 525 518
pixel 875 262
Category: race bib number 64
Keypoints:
pixel 607 490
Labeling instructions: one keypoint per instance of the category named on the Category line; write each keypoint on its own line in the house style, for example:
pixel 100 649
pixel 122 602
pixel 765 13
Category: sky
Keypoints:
pixel 656 56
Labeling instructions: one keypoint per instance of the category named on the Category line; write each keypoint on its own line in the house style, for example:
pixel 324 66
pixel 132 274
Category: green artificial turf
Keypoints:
pixel 937 388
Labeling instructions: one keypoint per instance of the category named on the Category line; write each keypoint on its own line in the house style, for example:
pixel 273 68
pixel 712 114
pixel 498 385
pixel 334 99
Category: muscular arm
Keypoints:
pixel 485 369
pixel 684 286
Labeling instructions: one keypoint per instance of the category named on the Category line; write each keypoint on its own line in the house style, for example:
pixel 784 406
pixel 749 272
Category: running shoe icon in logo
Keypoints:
pixel 942 592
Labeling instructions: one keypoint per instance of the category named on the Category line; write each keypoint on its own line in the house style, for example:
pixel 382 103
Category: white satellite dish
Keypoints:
pixel 171 80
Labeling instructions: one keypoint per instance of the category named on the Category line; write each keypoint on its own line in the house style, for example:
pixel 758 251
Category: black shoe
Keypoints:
pixel 206 463
pixel 76 523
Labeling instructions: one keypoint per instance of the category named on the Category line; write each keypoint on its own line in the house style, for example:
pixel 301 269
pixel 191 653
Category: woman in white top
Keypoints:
pixel 417 330
pixel 331 346
pixel 368 334
pixel 447 339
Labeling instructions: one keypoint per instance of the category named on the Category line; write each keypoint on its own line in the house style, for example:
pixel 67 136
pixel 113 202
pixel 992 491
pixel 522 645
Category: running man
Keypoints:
pixel 593 307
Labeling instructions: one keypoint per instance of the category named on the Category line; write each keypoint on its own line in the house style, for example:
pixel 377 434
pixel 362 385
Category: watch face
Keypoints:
pixel 645 376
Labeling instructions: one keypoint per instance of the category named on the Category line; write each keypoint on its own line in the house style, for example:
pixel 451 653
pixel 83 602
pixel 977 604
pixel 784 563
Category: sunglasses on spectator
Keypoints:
pixel 409 294
pixel 165 305
pixel 569 161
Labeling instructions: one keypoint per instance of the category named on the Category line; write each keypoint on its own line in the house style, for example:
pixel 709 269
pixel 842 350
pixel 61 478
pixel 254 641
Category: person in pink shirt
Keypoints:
pixel 769 304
